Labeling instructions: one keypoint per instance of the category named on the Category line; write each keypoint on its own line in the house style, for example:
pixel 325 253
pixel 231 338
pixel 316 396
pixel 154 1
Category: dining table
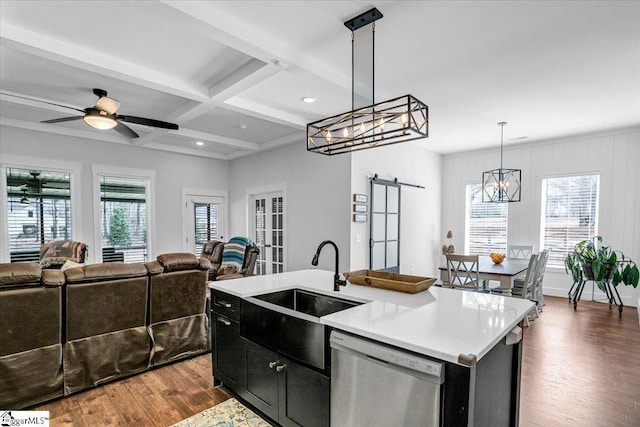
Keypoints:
pixel 505 272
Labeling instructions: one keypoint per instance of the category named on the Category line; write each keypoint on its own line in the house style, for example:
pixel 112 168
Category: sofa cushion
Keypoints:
pixel 20 273
pixel 178 261
pixel 105 271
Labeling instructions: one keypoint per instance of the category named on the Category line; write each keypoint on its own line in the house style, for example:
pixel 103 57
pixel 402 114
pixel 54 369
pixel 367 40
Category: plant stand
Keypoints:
pixel 612 293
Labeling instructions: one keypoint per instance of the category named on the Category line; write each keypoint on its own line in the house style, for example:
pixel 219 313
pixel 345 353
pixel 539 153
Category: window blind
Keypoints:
pixel 123 205
pixel 486 224
pixel 38 211
pixel 206 224
pixel 569 214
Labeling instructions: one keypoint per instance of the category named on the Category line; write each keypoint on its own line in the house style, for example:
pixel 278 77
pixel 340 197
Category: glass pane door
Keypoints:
pixel 269 232
pixel 385 226
pixel 205 221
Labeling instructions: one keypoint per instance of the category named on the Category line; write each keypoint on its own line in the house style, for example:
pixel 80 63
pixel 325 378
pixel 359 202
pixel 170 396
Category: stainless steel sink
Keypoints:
pixel 311 303
pixel 289 322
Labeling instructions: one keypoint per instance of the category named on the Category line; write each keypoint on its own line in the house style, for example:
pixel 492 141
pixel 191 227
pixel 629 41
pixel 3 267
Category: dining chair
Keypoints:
pixel 538 296
pixel 519 251
pixel 463 272
pixel 525 288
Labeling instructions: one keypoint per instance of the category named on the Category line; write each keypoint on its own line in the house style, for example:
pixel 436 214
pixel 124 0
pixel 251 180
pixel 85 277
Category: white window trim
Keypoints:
pixel 146 174
pixel 74 170
pixel 204 192
pixel 543 205
pixel 250 192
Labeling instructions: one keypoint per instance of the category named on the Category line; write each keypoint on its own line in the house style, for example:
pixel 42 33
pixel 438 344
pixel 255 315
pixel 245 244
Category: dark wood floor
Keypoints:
pixel 580 368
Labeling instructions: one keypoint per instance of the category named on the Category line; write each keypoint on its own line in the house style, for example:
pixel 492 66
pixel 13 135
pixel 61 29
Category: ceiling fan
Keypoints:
pixel 103 116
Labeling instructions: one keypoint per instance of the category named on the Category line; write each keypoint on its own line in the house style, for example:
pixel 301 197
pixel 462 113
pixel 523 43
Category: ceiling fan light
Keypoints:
pixel 100 120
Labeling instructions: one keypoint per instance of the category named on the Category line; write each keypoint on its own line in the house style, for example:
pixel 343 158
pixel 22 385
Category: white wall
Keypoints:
pixel 420 224
pixel 614 155
pixel 317 201
pixel 172 172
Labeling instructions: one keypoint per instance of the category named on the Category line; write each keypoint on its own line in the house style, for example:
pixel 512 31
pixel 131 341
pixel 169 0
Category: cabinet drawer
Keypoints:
pixel 225 304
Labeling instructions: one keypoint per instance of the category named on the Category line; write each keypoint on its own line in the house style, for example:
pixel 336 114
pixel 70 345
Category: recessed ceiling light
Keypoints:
pixel 242 126
pixel 199 143
pixel 308 99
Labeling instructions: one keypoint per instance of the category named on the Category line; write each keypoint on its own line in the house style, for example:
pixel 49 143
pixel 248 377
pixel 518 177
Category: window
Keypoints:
pixel 486 224
pixel 123 219
pixel 569 214
pixel 38 210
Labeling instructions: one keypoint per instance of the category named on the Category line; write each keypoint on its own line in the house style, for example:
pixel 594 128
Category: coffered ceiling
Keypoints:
pixel 232 74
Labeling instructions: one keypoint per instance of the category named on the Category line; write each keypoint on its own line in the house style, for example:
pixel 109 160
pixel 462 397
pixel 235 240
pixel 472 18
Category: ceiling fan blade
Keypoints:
pixel 41 101
pixel 125 130
pixel 107 104
pixel 63 119
pixel 148 122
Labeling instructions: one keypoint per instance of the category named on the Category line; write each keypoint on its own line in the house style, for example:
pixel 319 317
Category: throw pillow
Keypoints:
pixel 70 264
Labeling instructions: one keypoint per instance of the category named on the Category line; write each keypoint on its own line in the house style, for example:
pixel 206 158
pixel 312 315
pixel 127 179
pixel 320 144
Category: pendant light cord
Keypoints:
pixel 501 140
pixel 373 63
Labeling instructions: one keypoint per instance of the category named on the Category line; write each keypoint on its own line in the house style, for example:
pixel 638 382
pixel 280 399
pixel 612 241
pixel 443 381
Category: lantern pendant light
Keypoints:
pixel 501 185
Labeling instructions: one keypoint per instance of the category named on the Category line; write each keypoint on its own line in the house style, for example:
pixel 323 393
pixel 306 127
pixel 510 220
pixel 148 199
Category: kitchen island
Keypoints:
pixel 475 336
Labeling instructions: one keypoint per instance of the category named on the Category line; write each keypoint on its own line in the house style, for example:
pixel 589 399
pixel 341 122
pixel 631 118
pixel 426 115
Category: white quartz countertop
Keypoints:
pixel 439 322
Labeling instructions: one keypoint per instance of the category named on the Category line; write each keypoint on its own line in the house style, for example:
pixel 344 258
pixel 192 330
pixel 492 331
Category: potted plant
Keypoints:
pixel 589 260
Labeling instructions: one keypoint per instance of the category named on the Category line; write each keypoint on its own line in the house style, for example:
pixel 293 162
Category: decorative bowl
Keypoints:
pixel 497 258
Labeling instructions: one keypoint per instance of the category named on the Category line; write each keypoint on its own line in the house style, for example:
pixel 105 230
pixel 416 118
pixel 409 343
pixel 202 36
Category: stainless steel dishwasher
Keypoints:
pixel 373 384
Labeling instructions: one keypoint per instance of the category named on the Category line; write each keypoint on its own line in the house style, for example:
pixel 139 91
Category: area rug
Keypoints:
pixel 229 413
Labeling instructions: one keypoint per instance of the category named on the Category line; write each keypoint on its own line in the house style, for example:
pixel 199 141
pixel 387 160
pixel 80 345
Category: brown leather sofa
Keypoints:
pixel 63 332
pixel 213 252
pixel 30 335
pixel 178 322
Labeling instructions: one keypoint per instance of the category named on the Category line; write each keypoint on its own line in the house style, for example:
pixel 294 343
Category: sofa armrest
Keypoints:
pixel 53 278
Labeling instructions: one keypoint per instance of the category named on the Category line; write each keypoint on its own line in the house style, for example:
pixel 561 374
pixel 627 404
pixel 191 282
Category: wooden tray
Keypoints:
pixel 390 281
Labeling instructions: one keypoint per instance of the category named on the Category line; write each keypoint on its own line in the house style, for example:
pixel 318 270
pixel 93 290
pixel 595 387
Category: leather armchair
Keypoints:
pixel 54 254
pixel 30 335
pixel 213 252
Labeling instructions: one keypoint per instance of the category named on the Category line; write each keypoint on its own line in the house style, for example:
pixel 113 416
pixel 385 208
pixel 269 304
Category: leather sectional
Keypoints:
pixel 62 332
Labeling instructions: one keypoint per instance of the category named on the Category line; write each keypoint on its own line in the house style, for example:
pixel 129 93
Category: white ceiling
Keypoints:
pixel 232 73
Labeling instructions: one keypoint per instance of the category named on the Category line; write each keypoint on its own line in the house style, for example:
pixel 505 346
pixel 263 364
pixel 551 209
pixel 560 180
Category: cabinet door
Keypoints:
pixel 304 397
pixel 228 353
pixel 262 379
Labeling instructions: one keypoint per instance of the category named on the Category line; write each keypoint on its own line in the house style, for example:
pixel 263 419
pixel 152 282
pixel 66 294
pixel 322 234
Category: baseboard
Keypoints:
pixel 628 301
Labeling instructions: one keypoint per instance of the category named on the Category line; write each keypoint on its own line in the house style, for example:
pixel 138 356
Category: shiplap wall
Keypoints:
pixel 614 155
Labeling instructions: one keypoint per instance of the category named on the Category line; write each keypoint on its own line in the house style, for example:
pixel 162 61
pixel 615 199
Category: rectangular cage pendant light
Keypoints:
pixel 501 185
pixel 398 120
pixel 384 123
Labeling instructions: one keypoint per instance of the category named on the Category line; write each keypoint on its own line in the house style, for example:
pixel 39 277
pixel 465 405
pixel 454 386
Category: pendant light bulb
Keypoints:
pixel 328 137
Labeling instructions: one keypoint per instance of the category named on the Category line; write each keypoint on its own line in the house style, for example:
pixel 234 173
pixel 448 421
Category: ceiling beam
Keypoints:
pixel 92 60
pixel 288 139
pixel 252 41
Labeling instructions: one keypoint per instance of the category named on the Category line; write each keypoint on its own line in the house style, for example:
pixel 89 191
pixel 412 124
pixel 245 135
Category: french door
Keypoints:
pixel 205 221
pixel 269 231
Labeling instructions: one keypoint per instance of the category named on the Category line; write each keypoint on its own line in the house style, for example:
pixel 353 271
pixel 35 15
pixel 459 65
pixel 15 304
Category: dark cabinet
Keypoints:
pixel 289 393
pixel 286 391
pixel 228 360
